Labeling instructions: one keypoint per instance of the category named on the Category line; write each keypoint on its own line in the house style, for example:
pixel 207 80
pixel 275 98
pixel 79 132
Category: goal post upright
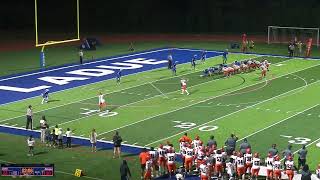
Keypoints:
pixel 48 42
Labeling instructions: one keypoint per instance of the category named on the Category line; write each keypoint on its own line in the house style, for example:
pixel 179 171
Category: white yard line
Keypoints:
pixel 266 100
pixel 278 122
pixel 120 90
pixel 155 87
pixel 199 103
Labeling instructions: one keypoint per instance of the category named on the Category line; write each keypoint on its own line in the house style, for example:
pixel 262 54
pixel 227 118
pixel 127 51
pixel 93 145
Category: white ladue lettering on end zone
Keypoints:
pixel 97 71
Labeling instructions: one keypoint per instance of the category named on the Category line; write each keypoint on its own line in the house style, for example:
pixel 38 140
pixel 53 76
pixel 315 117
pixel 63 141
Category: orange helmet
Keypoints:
pixel 248 150
pixel 290 158
pixel 269 155
pixel 256 155
pixel 239 154
pixel 200 143
pixel 197 137
pixel 277 158
pixel 161 146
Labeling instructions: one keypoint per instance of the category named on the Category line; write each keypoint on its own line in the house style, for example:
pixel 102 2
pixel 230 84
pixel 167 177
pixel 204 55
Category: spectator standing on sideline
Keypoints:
pixel 287 153
pixel 305 173
pixel 244 146
pixel 68 135
pixel 31 143
pixel 299 46
pixel 117 144
pixel 231 144
pixel 47 135
pixel 56 133
pixel 60 138
pixel 273 150
pixel 170 61
pixel 302 157
pixel 43 127
pixel 29 117
pixel 93 140
pixel 224 57
pixel 131 48
pixel 212 142
pixel 125 171
pixel 81 56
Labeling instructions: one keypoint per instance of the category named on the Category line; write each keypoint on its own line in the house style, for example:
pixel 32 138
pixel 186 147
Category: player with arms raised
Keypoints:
pixel 184 86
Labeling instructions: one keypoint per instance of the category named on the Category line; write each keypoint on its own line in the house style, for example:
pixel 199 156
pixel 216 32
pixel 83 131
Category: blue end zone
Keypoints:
pixel 27 81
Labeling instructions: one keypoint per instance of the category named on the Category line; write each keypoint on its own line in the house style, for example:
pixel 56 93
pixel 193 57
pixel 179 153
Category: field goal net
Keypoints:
pixel 279 34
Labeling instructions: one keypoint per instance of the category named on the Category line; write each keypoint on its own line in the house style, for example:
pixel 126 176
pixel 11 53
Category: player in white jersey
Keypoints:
pixel 171 162
pixel 248 161
pixel 102 102
pixel 184 86
pixel 290 167
pixel 154 158
pixel 149 169
pixel 200 157
pixel 266 63
pixel 189 158
pixel 269 163
pixel 218 167
pixel 182 150
pixel 230 168
pixel 277 168
pixel 204 171
pixel 318 171
pixel 255 166
pixel 196 143
pixel 240 166
pixel 162 159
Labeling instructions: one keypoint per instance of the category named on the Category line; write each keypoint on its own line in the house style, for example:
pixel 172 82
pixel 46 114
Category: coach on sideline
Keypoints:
pixel 29 117
pixel 81 56
pixel 117 144
pixel 231 144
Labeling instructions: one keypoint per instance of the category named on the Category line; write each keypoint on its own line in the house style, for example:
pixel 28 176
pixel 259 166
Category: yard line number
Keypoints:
pixel 188 125
pixel 107 113
pixel 298 140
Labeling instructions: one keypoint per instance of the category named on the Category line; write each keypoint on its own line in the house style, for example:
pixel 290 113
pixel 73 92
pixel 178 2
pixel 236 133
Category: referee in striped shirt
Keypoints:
pixel 29 117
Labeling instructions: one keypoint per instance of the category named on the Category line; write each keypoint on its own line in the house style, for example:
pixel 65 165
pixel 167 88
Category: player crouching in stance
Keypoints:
pixel 45 96
pixel 102 102
pixel 255 166
pixel 184 86
pixel 289 167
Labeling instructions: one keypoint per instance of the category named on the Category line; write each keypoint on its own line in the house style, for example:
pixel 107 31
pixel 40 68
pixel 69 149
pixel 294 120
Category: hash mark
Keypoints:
pixel 177 121
pixel 286 136
pixel 309 114
pixel 209 102
pixel 278 110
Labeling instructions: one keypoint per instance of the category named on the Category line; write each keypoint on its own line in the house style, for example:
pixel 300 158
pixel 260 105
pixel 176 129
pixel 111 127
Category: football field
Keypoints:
pixel 147 108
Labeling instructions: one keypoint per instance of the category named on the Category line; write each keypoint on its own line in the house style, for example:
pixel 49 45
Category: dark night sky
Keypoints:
pixel 186 16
